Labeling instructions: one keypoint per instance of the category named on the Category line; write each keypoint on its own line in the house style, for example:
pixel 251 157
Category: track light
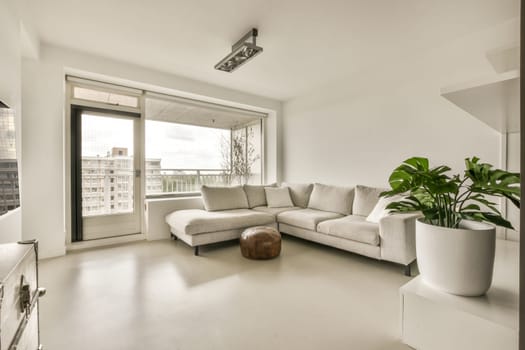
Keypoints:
pixel 242 51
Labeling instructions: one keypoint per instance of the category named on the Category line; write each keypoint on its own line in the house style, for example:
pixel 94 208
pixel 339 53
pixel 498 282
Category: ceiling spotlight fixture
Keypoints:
pixel 242 51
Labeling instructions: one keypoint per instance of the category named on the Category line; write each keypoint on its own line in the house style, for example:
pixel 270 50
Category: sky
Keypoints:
pixel 178 146
pixel 184 146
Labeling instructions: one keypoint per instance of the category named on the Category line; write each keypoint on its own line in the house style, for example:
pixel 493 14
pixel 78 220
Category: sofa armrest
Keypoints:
pixel 398 237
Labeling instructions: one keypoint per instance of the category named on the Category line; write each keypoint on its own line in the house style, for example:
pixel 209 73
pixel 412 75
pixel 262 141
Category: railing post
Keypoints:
pixel 198 179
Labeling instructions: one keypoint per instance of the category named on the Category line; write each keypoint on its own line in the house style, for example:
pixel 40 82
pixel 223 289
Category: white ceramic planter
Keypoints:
pixel 457 261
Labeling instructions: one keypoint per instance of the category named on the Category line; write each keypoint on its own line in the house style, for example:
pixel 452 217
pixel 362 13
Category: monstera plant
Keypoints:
pixel 445 200
pixel 455 241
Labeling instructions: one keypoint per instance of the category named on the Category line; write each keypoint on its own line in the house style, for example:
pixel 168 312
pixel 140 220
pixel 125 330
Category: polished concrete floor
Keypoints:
pixel 157 295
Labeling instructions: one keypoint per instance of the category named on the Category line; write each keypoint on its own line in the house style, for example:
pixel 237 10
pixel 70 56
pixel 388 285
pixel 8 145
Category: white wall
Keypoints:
pixel 357 130
pixel 10 53
pixel 44 129
pixel 42 156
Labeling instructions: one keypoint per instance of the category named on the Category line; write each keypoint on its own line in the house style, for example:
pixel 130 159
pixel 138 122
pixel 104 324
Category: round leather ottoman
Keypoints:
pixel 260 242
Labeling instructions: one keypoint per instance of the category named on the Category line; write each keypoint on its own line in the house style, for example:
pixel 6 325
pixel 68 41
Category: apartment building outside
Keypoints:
pixel 9 191
pixel 108 182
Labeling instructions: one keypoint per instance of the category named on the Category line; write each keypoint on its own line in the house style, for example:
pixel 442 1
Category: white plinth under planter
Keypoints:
pixel 457 261
pixel 434 320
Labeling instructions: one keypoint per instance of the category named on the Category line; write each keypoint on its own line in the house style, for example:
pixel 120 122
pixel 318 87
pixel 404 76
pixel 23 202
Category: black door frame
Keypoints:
pixel 76 164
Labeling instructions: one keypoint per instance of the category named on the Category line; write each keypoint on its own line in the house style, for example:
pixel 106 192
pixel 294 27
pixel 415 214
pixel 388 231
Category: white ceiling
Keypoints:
pixel 307 43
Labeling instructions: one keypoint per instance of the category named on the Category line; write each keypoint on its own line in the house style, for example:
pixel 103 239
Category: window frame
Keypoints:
pixel 73 83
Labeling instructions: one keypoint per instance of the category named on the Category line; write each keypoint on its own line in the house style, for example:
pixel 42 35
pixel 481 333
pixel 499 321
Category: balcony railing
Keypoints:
pixel 186 180
pixel 163 181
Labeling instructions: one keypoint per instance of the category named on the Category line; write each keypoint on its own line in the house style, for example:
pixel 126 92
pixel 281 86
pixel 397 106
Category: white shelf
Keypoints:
pixel 494 100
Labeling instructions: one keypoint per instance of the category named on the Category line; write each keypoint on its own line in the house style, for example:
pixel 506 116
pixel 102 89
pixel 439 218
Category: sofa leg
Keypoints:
pixel 408 271
pixel 196 250
pixel 173 237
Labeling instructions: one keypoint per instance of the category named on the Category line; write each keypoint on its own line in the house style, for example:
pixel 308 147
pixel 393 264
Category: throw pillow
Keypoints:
pixel 278 197
pixel 380 210
pixel 224 198
pixel 300 193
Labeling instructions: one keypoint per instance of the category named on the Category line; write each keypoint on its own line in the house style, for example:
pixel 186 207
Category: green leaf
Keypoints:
pixel 446 199
pixel 472 207
pixel 418 163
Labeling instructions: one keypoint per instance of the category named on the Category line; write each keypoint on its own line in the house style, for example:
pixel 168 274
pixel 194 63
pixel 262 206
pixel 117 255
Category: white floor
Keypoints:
pixel 157 295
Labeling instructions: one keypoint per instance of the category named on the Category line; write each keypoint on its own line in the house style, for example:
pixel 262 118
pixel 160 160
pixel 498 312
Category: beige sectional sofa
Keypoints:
pixel 343 217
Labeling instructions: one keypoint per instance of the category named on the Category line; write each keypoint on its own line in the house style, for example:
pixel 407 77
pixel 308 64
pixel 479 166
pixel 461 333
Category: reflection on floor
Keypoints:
pixel 157 295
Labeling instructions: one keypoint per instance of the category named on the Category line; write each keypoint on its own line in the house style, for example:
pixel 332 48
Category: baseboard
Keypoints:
pixel 105 242
pixel 44 253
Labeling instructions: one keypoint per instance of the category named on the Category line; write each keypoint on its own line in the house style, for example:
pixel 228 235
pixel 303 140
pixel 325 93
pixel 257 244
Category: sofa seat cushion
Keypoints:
pixel 274 211
pixel 306 218
pixel 197 221
pixel 351 227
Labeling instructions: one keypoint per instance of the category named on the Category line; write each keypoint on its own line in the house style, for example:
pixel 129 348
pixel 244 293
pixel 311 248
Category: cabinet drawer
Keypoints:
pixel 11 313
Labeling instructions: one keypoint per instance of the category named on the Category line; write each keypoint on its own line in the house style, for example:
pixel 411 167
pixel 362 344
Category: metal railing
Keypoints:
pixel 189 180
pixel 164 181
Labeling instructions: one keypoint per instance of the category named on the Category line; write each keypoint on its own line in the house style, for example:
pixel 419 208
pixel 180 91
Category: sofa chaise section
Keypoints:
pixel 198 227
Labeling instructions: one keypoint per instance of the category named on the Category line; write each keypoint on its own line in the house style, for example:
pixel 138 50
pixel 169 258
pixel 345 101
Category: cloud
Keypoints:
pixel 179 132
pixel 184 146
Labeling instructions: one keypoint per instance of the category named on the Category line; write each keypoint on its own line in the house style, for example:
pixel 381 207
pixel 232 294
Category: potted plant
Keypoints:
pixel 456 236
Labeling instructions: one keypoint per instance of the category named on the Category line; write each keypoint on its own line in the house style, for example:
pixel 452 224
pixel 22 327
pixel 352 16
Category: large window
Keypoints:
pixel 179 158
pixel 125 144
pixel 188 145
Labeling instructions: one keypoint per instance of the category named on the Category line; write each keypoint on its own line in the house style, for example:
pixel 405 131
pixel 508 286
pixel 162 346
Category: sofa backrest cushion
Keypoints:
pixel 300 193
pixel 256 195
pixel 365 199
pixel 335 199
pixel 278 197
pixel 224 198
